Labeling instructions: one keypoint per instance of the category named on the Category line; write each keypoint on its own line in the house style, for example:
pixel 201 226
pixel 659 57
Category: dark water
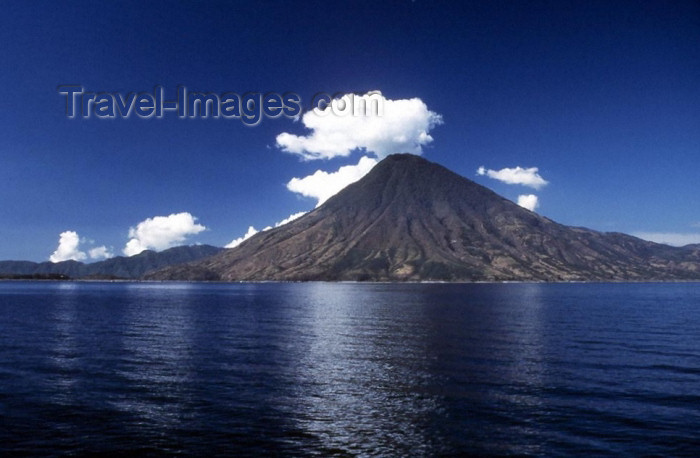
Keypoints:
pixel 349 369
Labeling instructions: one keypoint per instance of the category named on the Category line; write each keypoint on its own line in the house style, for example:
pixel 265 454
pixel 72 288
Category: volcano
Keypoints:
pixel 410 219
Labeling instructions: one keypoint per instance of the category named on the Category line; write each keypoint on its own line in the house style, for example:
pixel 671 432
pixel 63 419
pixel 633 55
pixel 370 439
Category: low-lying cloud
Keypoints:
pixel 161 232
pixel 402 127
pixel 517 175
pixel 235 242
pixel 289 219
pixel 252 231
pixel 100 252
pixel 322 185
pixel 69 249
pixel 528 201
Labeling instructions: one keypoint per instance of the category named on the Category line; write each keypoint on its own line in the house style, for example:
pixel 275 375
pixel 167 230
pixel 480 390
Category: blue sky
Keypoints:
pixel 603 98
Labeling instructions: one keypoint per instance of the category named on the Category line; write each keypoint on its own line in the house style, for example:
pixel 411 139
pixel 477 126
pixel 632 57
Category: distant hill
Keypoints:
pixel 413 220
pixel 132 267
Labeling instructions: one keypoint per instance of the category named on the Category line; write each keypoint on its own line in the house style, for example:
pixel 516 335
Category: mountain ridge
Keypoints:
pixel 410 219
pixel 132 267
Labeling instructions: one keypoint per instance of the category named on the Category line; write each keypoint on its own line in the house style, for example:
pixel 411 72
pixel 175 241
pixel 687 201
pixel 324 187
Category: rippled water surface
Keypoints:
pixel 349 369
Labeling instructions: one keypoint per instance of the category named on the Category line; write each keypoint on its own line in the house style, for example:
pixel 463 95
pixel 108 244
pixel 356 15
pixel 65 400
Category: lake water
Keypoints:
pixel 349 369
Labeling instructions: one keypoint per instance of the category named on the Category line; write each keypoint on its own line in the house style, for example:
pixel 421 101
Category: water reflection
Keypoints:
pixel 520 388
pixel 485 350
pixel 65 354
pixel 66 286
pixel 362 382
pixel 155 361
pixel 352 369
pixel 526 340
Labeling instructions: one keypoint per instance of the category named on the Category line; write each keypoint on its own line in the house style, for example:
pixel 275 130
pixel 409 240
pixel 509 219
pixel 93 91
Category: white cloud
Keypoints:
pixel 289 219
pixel 68 248
pixel 401 126
pixel 235 242
pixel 518 175
pixel 100 252
pixel 669 238
pixel 252 231
pixel 529 201
pixel 161 232
pixel 322 185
